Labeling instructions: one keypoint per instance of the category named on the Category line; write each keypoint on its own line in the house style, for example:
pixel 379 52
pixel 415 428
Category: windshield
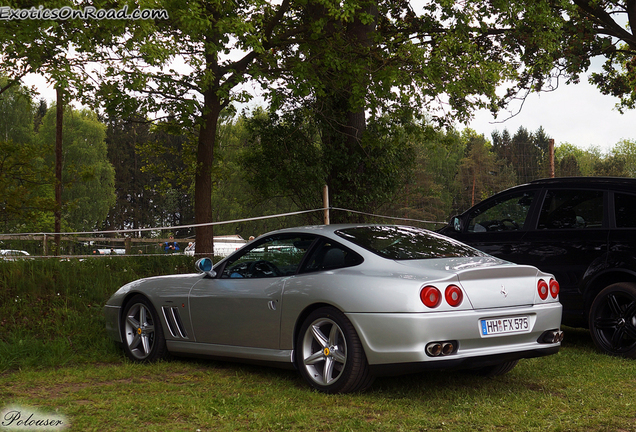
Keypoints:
pixel 407 243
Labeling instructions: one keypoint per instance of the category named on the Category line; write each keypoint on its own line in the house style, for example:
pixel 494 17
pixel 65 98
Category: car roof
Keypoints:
pixel 328 230
pixel 586 181
pixel 618 183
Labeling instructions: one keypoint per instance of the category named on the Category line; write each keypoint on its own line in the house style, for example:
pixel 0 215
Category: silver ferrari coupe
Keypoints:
pixel 344 304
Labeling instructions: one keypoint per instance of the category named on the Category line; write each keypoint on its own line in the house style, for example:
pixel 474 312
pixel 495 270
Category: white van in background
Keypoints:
pixel 223 245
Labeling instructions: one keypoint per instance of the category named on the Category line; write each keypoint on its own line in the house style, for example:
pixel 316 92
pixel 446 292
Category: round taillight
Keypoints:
pixel 542 287
pixel 430 296
pixel 453 295
pixel 554 288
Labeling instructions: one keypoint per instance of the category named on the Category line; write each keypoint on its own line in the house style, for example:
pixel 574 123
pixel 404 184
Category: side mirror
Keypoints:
pixel 456 223
pixel 204 265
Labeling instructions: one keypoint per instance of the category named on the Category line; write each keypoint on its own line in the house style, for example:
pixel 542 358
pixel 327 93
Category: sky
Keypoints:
pixel 576 114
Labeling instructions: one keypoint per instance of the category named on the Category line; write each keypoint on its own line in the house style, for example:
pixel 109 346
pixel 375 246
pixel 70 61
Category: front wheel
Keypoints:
pixel 329 354
pixel 613 320
pixel 141 331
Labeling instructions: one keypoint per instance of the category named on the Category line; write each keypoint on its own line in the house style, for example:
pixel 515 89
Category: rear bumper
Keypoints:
pixel 459 363
pixel 391 339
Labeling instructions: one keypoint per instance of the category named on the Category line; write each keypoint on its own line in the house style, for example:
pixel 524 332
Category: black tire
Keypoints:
pixel 496 370
pixel 141 330
pixel 613 320
pixel 329 354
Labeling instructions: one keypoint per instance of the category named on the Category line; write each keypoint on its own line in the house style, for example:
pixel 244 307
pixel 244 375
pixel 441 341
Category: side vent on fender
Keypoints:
pixel 171 314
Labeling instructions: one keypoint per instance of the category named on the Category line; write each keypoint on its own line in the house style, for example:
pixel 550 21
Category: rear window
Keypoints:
pixel 625 210
pixel 572 209
pixel 406 243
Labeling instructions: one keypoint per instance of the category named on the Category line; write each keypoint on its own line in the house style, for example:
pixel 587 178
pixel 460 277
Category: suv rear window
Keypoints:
pixel 625 206
pixel 406 243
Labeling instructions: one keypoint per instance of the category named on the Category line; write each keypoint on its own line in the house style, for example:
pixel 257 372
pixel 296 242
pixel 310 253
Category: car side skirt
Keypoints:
pixel 230 352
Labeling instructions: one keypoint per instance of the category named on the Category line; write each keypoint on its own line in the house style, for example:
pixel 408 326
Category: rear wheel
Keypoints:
pixel 613 320
pixel 141 331
pixel 329 354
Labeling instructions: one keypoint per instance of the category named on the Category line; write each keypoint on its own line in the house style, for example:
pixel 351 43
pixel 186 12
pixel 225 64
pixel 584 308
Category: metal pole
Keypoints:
pixel 325 203
pixel 551 156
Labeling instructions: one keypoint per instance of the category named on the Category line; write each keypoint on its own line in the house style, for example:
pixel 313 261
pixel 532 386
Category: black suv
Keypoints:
pixel 582 230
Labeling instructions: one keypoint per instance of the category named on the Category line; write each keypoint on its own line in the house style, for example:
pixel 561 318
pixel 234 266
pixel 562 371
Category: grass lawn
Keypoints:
pixel 576 390
pixel 56 360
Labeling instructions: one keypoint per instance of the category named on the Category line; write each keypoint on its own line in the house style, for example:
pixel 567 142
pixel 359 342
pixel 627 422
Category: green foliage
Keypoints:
pixel 429 194
pixel 584 160
pixel 526 152
pixel 482 172
pixel 133 205
pixel 23 174
pixel 574 161
pixel 23 180
pixel 297 161
pixel 16 112
pixel 51 310
pixel 626 150
pixel 88 176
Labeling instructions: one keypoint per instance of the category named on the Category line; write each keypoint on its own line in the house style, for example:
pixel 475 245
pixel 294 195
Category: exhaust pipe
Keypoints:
pixel 551 337
pixel 436 349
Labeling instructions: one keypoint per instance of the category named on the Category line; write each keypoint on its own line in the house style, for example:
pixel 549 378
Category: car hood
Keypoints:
pixel 488 282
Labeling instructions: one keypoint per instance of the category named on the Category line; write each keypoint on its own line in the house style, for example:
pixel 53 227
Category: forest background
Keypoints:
pixel 352 93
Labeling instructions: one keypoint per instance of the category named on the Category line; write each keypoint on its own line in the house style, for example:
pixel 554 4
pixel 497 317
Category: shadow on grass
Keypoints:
pixel 577 338
pixel 428 386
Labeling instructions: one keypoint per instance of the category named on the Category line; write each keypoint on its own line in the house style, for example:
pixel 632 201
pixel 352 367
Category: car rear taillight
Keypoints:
pixel 554 288
pixel 543 289
pixel 431 296
pixel 453 295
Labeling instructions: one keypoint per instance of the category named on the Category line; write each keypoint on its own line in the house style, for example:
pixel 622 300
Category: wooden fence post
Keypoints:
pixel 325 204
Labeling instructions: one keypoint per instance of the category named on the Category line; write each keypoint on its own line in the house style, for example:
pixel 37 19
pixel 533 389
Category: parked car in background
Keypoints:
pixel 346 303
pixel 223 245
pixel 12 254
pixel 582 230
pixel 109 251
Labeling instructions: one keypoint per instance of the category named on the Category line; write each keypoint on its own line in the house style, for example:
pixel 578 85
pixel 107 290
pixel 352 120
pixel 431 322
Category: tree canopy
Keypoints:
pixel 353 89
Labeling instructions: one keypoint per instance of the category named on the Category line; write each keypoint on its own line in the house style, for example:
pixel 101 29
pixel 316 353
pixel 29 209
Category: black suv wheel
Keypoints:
pixel 613 320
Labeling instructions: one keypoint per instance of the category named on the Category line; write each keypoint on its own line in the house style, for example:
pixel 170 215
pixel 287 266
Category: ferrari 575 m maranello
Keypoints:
pixel 344 304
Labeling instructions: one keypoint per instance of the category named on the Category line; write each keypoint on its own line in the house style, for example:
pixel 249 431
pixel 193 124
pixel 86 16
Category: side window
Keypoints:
pixel 571 209
pixel 625 206
pixel 507 213
pixel 274 257
pixel 331 255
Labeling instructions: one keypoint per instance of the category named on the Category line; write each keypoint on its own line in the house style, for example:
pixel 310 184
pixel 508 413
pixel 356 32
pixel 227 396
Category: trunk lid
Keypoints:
pixel 500 286
pixel 488 282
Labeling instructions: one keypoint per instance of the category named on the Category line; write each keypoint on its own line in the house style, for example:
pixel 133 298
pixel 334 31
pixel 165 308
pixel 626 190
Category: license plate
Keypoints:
pixel 506 325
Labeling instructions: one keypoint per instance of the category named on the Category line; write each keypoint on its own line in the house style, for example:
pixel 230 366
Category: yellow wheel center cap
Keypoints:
pixel 139 331
pixel 326 351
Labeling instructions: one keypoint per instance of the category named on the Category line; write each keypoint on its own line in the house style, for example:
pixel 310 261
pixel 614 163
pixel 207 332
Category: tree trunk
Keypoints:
pixel 58 167
pixel 203 177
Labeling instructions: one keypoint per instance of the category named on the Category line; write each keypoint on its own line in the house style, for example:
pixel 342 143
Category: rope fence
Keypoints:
pixel 93 243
